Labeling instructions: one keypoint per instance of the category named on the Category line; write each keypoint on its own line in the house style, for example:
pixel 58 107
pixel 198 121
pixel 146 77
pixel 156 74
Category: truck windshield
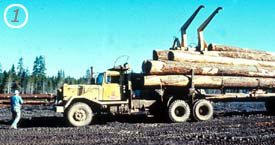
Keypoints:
pixel 99 79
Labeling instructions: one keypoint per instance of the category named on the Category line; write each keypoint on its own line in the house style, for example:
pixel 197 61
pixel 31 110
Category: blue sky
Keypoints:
pixel 74 35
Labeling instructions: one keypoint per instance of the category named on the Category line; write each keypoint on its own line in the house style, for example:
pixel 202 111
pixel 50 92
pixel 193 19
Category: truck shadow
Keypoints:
pixel 235 113
pixel 42 122
pixel 61 122
pixel 128 119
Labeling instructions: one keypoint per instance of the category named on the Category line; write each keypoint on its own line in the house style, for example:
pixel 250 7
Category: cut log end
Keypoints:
pixel 146 66
pixel 171 56
pixel 160 54
pixel 155 55
pixel 211 47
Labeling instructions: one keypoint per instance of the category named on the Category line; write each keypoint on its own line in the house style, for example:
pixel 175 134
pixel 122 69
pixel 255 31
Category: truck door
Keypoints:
pixel 112 87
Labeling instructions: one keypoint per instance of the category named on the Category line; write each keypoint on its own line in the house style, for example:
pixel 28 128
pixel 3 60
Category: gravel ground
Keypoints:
pixel 233 123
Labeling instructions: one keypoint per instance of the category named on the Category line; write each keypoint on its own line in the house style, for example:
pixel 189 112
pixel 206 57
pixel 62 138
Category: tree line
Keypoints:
pixel 36 82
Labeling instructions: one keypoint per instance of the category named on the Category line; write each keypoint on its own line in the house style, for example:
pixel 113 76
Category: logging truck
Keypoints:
pixel 176 84
pixel 117 91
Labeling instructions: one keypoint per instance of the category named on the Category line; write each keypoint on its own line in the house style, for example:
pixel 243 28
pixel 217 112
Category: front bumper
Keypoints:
pixel 59 109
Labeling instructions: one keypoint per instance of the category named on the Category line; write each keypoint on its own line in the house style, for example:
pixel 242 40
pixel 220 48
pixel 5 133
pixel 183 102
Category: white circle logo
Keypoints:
pixel 16 5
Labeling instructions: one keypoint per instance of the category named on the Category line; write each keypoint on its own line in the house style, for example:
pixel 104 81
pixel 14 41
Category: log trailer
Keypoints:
pixel 119 91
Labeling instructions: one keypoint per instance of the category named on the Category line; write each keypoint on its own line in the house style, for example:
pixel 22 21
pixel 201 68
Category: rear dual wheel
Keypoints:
pixel 203 110
pixel 178 111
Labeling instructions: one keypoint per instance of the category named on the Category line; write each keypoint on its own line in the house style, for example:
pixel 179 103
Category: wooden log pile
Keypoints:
pixel 221 66
pixel 208 81
pixel 29 99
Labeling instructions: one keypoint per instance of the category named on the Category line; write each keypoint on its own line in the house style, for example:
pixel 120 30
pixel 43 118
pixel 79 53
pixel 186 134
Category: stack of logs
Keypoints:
pixel 29 99
pixel 221 66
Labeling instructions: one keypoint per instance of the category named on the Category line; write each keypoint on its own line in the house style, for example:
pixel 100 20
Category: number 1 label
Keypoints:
pixel 16 15
pixel 15 19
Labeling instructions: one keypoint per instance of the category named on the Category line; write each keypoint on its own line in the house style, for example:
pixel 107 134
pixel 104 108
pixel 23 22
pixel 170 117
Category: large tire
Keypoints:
pixel 203 110
pixel 178 111
pixel 79 114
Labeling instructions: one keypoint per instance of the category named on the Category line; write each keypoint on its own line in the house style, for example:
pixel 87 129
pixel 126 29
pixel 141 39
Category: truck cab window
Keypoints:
pixel 99 79
pixel 113 79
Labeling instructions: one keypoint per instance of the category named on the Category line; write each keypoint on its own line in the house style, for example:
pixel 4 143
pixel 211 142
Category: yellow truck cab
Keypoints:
pixel 81 102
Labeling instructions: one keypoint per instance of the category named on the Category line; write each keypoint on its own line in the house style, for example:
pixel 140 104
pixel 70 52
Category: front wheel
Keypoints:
pixel 203 110
pixel 178 111
pixel 79 114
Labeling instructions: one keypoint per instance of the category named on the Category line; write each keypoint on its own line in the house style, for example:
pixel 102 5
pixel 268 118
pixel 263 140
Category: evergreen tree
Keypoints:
pixel 88 76
pixel 8 82
pixel 60 78
pixel 1 79
pixel 39 66
pixel 12 71
pixel 24 80
pixel 20 67
pixel 11 80
pixel 39 74
pixel 30 85
pixel 0 68
pixel 70 80
pixel 36 82
pixel 22 76
pixel 50 87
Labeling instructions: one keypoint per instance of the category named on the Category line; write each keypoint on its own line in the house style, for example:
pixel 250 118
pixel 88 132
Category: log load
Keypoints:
pixel 207 81
pixel 244 55
pixel 185 68
pixel 163 54
pixel 200 58
pixel 218 47
pixel 259 56
pixel 160 54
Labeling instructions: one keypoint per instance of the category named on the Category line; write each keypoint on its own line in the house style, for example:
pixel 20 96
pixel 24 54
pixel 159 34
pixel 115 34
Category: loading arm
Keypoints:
pixel 202 45
pixel 186 25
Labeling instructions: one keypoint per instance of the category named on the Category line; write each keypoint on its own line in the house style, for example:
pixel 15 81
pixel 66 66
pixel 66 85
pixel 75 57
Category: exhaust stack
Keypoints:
pixel 202 45
pixel 92 79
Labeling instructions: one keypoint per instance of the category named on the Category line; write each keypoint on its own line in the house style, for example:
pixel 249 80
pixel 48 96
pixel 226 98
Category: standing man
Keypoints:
pixel 15 102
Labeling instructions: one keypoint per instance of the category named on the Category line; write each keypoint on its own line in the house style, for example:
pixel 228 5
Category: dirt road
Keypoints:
pixel 237 123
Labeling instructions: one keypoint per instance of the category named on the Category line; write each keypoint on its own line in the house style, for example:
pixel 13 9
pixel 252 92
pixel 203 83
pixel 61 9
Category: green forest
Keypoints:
pixel 35 81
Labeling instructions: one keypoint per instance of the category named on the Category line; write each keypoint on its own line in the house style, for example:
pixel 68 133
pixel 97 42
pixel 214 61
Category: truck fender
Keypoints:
pixel 69 102
pixel 169 101
pixel 62 108
pixel 89 102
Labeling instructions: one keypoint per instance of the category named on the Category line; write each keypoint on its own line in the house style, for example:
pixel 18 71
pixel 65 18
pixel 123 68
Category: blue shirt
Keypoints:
pixel 16 102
